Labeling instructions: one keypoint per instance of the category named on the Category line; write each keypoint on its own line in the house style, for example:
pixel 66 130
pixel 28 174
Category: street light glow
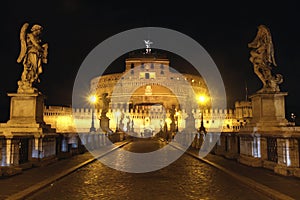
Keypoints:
pixel 92 99
pixel 202 99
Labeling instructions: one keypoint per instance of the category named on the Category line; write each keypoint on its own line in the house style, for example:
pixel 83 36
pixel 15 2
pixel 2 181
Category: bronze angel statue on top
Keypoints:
pixel 32 55
pixel 262 58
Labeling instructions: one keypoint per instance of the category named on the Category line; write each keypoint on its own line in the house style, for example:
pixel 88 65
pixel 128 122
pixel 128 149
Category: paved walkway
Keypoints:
pixel 30 180
pixel 18 186
pixel 289 186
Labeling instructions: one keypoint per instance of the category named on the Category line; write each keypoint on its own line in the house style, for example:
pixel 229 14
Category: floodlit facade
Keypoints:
pixel 142 97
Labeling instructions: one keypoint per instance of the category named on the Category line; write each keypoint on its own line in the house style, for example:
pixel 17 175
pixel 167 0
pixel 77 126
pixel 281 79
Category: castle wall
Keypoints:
pixel 65 118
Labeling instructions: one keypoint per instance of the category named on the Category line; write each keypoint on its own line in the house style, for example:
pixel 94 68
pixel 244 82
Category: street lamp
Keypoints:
pixel 93 100
pixel 202 100
pixel 293 117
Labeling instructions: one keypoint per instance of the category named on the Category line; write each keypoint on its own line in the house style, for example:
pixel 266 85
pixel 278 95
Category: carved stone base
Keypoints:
pixel 268 110
pixel 27 114
pixel 190 124
pixel 104 124
pixel 26 108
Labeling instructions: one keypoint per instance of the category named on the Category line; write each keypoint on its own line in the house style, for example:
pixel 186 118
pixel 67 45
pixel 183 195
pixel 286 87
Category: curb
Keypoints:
pixel 34 188
pixel 269 192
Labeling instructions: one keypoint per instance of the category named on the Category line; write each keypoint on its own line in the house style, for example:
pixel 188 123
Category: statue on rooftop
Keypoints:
pixel 32 54
pixel 262 58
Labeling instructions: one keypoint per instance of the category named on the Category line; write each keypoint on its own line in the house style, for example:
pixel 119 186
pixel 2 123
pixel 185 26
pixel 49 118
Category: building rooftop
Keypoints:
pixel 155 53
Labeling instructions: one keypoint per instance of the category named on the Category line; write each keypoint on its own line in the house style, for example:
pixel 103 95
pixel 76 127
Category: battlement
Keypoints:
pixel 155 112
pixel 65 118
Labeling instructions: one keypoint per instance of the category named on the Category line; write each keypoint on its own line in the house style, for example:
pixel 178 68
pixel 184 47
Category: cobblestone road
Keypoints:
pixel 186 178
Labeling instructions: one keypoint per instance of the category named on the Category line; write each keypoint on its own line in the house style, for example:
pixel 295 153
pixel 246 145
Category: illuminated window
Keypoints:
pixel 142 75
pixel 152 75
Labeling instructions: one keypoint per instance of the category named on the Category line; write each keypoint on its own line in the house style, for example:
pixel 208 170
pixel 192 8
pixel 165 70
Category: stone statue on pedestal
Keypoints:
pixel 104 120
pixel 105 101
pixel 262 58
pixel 33 53
pixel 26 125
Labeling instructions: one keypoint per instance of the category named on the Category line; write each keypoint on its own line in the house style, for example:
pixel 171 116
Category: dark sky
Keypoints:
pixel 72 28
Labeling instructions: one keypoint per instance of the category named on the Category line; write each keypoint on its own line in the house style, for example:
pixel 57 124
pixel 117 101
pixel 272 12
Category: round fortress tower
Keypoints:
pixel 148 80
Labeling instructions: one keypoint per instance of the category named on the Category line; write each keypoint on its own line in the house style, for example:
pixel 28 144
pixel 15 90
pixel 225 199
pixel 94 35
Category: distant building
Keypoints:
pixel 142 96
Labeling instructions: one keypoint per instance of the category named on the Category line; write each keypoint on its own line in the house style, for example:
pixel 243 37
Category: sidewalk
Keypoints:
pixel 33 179
pixel 19 186
pixel 289 186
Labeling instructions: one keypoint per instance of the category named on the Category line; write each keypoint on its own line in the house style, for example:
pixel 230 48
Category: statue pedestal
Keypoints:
pixel 29 140
pixel 268 109
pixel 104 124
pixel 190 124
pixel 26 108
pixel 259 139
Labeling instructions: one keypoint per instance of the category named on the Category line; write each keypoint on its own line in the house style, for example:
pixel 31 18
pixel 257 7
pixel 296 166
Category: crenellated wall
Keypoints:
pixel 67 119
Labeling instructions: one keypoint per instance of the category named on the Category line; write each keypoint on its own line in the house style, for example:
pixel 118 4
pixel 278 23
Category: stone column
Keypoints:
pixel 37 147
pixel 7 152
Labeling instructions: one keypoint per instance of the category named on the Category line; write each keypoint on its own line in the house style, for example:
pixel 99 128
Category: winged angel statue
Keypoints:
pixel 262 58
pixel 32 55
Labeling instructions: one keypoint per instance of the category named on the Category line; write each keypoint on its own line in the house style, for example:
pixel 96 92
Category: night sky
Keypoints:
pixel 72 28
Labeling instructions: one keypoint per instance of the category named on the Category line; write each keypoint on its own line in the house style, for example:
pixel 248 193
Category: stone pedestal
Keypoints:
pixel 26 108
pixel 268 109
pixel 104 124
pixel 29 140
pixel 268 140
pixel 190 124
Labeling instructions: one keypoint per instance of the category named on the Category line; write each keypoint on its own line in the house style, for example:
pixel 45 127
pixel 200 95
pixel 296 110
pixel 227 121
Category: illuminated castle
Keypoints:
pixel 142 97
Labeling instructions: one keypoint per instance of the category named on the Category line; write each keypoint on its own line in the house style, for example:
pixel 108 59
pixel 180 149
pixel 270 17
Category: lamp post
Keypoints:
pixel 293 117
pixel 202 100
pixel 93 100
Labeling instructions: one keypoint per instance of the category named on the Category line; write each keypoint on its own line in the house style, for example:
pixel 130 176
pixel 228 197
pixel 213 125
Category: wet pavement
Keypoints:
pixel 34 178
pixel 284 184
pixel 186 178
